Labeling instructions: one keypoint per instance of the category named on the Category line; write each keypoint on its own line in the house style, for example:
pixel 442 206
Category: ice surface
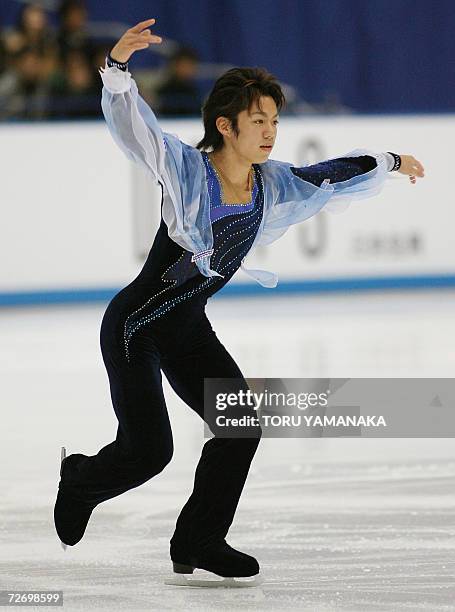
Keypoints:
pixel 336 524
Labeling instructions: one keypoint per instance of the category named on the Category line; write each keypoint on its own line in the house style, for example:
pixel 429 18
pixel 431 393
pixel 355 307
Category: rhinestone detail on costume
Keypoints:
pixel 226 246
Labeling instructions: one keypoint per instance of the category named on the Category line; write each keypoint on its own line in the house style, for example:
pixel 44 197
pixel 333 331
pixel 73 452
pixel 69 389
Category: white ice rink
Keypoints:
pixel 336 524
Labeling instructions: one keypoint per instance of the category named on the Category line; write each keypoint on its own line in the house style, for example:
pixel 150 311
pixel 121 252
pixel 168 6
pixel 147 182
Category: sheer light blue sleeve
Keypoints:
pixel 132 123
pixel 357 175
pixel 299 193
pixel 178 167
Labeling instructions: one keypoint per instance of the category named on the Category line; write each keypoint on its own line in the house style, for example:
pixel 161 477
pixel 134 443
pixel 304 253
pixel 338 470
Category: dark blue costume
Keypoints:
pixel 158 324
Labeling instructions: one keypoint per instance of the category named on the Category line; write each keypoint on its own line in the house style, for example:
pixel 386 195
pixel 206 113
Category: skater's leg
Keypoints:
pixel 142 448
pixel 143 445
pixel 225 462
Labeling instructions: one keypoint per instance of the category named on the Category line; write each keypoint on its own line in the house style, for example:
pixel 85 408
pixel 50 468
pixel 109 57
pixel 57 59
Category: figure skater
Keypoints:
pixel 219 200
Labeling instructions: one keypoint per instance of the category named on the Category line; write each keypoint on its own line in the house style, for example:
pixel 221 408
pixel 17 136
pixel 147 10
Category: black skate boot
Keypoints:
pixel 236 568
pixel 70 515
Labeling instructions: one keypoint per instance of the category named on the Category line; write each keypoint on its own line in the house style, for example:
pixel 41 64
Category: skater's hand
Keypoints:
pixel 137 37
pixel 412 167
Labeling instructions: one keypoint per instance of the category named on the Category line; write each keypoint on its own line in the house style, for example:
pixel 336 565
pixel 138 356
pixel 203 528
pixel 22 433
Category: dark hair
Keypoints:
pixel 236 90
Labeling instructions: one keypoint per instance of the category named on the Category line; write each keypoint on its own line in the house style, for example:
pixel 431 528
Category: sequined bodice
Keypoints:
pixel 169 278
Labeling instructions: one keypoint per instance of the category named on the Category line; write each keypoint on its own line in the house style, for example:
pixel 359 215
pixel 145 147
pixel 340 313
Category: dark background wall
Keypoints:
pixel 375 55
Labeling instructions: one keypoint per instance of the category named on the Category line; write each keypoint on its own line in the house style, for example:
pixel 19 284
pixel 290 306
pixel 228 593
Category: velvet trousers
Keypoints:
pixel 183 346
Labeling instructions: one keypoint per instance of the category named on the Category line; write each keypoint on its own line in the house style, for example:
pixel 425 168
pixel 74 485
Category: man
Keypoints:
pixel 216 206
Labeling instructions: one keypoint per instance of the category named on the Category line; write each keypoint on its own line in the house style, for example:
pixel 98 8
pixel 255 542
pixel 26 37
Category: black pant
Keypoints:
pixel 184 346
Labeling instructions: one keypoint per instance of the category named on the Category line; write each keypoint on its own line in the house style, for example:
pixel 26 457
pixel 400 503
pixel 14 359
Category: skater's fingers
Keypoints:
pixel 142 25
pixel 148 36
pixel 411 166
pixel 420 169
pixel 417 166
pixel 142 37
pixel 416 171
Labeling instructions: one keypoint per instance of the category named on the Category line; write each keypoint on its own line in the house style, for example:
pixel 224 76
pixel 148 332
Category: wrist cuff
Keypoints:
pixel 397 164
pixel 115 80
pixel 112 63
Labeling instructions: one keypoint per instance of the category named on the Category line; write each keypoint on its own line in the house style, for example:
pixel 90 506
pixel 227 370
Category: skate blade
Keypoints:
pixel 213 581
pixel 62 457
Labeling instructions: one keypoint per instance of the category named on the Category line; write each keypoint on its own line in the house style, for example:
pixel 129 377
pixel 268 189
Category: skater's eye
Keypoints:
pixel 261 121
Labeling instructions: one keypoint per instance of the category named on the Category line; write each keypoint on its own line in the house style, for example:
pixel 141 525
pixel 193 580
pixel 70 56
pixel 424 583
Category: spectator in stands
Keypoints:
pixel 32 31
pixel 23 89
pixel 73 32
pixel 178 94
pixel 99 57
pixel 2 57
pixel 75 91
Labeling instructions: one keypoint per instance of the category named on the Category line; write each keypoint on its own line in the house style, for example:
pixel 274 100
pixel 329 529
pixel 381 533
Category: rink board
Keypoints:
pixel 79 218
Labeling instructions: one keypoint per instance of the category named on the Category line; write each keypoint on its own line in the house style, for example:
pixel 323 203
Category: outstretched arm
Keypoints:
pixel 132 123
pixel 296 194
pixel 342 169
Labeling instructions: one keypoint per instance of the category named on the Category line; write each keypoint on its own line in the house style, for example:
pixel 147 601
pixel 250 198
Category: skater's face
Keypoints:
pixel 257 127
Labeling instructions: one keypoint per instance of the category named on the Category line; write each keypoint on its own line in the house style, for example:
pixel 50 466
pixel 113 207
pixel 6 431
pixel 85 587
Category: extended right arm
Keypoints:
pixel 130 120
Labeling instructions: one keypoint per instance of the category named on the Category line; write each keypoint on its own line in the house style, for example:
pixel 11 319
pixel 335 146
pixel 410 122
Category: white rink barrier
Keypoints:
pixel 78 218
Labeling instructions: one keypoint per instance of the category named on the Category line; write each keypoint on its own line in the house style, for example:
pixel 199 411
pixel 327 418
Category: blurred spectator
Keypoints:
pixel 2 57
pixel 75 90
pixel 73 29
pixel 32 30
pixel 23 90
pixel 99 57
pixel 178 94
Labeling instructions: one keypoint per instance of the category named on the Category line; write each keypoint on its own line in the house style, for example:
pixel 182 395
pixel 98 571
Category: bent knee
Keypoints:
pixel 164 459
pixel 150 463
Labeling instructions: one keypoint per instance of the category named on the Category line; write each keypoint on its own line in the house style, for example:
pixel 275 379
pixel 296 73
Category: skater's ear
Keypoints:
pixel 224 126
